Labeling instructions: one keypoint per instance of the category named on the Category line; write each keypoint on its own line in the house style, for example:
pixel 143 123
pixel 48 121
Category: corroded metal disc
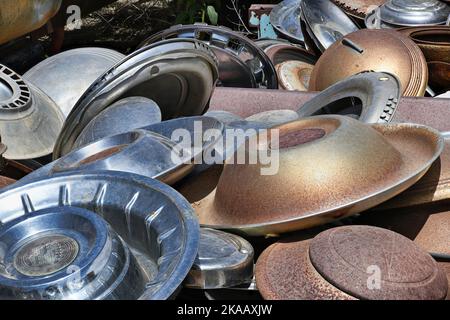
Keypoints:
pixel 348 256
pixel 329 167
pixel 294 75
pixel 439 75
pixel 284 272
pixel 373 50
pixel 355 262
pixel 434 41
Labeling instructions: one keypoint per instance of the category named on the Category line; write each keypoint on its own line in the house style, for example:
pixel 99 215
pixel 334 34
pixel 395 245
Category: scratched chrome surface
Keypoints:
pixel 156 222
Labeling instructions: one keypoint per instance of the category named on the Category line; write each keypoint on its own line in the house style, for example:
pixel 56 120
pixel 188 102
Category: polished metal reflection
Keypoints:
pixel 66 76
pixel 178 74
pixel 121 117
pixel 245 292
pixel 29 120
pixel 325 22
pixel 45 250
pixel 414 12
pixel 378 92
pixel 242 64
pixel 154 221
pixel 209 130
pixel 224 260
pixel 358 166
pixel 140 152
pixel 285 18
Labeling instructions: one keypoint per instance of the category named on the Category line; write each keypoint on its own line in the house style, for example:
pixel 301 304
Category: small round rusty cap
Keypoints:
pixel 373 50
pixel 352 262
pixel 352 258
pixel 282 52
pixel 294 75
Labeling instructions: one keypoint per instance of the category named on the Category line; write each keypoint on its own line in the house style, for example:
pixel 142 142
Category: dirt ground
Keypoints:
pixel 122 25
pixel 125 23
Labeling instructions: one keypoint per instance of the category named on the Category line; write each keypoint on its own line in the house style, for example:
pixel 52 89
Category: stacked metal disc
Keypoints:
pixel 121 179
pixel 108 251
pixel 434 41
pixel 397 13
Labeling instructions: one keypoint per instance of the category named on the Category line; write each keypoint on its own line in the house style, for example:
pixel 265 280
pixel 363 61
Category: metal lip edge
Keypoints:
pixel 366 77
pixel 191 225
pixel 250 229
pixel 229 271
pixel 218 29
pixel 94 88
pixel 96 221
pixel 280 11
pixel 79 109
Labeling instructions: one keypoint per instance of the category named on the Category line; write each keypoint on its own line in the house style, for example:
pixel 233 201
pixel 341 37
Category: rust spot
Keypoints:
pixel 358 8
pixel 397 55
pixel 4 182
pixel 337 264
pixel 296 138
pixel 102 155
pixel 345 257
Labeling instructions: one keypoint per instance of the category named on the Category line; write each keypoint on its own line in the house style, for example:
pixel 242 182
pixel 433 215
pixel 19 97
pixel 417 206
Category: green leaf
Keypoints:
pixel 213 15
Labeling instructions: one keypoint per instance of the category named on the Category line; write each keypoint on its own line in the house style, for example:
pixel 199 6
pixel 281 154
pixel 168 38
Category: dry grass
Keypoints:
pixel 123 24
